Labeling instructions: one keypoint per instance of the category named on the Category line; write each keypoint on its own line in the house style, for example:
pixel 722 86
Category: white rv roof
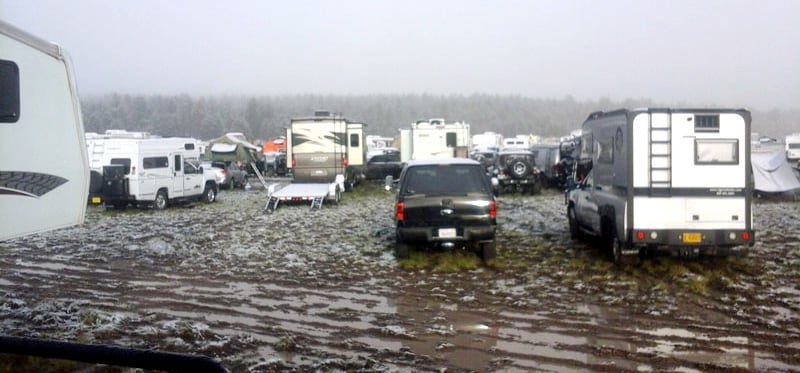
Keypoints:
pixel 31 40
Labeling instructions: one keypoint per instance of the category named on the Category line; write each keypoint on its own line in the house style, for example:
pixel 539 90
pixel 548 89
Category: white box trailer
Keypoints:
pixel 39 109
pixel 674 179
pixel 435 138
pixel 326 154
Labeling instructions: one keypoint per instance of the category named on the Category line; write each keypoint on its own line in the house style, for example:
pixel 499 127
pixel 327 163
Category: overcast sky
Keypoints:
pixel 695 52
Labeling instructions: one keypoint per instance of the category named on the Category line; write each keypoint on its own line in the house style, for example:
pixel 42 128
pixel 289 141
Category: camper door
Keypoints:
pixel 178 183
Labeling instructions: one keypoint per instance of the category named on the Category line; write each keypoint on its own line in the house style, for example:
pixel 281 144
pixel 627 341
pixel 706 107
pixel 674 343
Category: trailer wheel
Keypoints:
pixel 160 202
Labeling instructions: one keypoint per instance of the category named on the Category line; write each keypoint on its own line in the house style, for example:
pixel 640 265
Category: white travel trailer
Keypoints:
pixel 153 171
pixel 673 179
pixel 435 138
pixel 517 142
pixel 793 147
pixel 39 107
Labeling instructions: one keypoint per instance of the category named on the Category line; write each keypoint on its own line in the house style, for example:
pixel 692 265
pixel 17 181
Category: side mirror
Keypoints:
pixel 388 183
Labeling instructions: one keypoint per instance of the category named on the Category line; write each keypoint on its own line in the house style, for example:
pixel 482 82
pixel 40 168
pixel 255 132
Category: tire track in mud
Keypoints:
pixel 321 290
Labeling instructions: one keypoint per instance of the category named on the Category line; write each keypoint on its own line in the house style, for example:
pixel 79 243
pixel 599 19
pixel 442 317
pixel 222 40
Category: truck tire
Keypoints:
pixel 209 194
pixel 574 231
pixel 488 250
pixel 161 200
pixel 401 250
pixel 616 251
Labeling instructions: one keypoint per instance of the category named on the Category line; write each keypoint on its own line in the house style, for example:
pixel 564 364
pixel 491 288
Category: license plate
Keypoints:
pixel 692 238
pixel 96 200
pixel 447 233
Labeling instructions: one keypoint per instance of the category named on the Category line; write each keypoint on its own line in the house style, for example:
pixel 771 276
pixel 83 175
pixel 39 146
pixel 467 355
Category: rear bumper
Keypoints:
pixel 688 238
pixel 431 234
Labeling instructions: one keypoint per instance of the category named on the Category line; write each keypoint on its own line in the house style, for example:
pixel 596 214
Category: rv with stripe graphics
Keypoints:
pixel 675 180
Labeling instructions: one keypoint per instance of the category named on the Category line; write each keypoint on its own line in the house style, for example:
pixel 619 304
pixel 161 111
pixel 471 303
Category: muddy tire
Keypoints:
pixel 402 250
pixel 209 194
pixel 488 250
pixel 574 231
pixel 160 202
pixel 617 247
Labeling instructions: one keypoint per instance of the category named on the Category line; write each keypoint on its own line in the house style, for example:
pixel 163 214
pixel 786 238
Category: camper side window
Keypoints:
pixel 155 162
pixel 716 151
pixel 9 92
pixel 354 140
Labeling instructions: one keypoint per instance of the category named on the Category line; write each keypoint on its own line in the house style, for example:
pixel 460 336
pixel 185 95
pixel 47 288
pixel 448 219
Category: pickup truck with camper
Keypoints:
pixel 674 180
pixel 793 148
pixel 444 202
pixel 328 156
pixel 153 171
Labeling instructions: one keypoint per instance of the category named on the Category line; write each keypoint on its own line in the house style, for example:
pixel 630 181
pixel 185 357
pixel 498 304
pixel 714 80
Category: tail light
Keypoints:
pixel 344 161
pixel 492 208
pixel 224 171
pixel 398 211
pixel 133 170
pixel 294 162
pixel 745 236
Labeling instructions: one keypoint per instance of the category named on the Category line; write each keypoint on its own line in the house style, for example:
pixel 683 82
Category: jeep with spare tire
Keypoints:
pixel 446 203
pixel 517 172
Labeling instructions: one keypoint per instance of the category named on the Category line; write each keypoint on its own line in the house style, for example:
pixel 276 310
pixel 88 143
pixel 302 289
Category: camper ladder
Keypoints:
pixel 272 204
pixel 316 203
pixel 660 154
pixel 97 153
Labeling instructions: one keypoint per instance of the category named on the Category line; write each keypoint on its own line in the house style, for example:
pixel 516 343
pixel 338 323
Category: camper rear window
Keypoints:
pixel 716 151
pixel 122 161
pixel 706 123
pixel 9 92
pixel 155 162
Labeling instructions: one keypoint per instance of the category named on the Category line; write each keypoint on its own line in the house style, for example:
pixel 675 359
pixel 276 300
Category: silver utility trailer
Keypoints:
pixel 314 193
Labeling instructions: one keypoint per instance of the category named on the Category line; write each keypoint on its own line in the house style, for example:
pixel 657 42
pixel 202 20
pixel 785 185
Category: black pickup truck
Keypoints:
pixel 445 203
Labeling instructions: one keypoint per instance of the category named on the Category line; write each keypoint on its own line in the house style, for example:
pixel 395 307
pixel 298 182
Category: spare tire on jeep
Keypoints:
pixel 519 167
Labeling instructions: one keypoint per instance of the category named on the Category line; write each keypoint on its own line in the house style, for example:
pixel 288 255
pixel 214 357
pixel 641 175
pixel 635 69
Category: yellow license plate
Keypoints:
pixel 96 200
pixel 692 238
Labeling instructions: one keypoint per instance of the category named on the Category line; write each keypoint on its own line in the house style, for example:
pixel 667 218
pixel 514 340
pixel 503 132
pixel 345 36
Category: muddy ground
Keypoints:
pixel 321 290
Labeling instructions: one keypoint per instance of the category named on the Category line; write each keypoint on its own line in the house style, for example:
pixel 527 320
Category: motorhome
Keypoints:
pixel 153 171
pixel 327 156
pixel 678 180
pixel 39 107
pixel 435 138
pixel 793 147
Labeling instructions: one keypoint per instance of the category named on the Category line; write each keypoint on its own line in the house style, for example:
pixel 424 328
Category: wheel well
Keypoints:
pixel 166 192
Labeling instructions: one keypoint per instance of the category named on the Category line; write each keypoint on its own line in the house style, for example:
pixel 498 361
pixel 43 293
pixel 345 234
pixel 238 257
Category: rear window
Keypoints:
pixel 124 162
pixel 716 151
pixel 445 180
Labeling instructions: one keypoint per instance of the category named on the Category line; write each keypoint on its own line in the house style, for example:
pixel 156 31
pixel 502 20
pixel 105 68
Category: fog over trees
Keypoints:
pixel 265 117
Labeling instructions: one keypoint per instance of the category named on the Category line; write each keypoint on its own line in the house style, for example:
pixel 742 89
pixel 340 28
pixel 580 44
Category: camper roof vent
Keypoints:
pixel 706 123
pixel 322 113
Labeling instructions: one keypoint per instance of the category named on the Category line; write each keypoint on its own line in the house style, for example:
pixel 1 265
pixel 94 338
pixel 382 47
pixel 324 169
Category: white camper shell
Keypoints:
pixel 793 147
pixel 673 179
pixel 39 107
pixel 153 171
pixel 327 155
pixel 435 138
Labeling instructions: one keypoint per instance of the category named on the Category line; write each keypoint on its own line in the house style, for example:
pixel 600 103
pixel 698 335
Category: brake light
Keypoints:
pixel 344 161
pixel 133 170
pixel 745 236
pixel 294 162
pixel 639 235
pixel 492 208
pixel 398 211
pixel 224 171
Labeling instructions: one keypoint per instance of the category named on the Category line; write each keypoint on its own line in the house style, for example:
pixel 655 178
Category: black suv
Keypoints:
pixel 517 172
pixel 445 202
